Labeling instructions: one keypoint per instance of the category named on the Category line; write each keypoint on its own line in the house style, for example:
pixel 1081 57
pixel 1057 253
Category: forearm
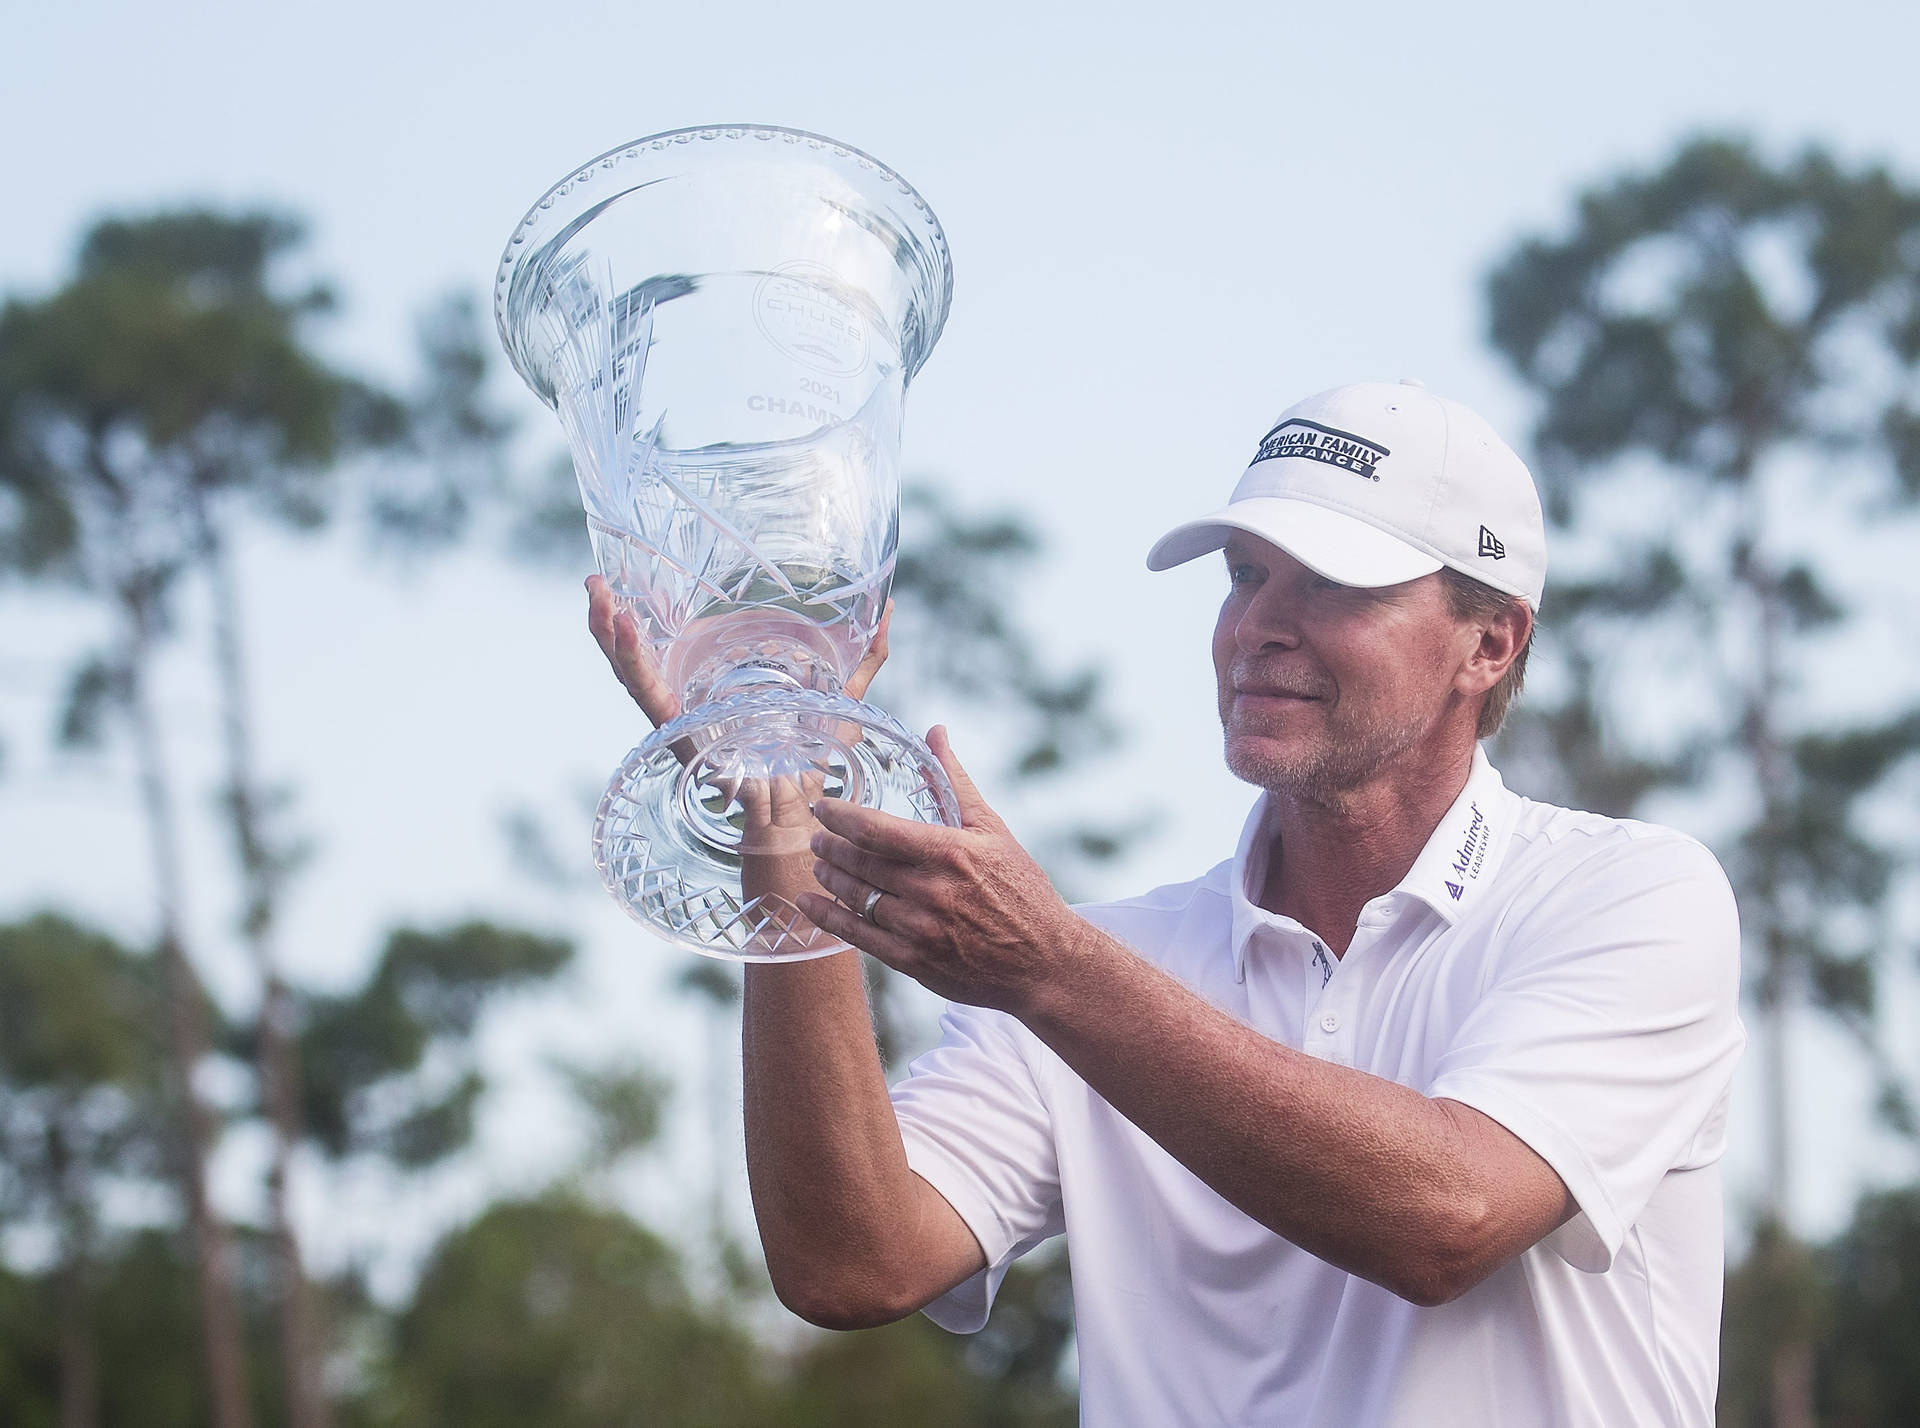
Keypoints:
pixel 1363 1172
pixel 832 1193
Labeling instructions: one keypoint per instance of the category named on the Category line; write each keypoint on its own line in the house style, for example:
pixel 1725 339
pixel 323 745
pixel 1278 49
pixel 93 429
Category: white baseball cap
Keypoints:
pixel 1377 483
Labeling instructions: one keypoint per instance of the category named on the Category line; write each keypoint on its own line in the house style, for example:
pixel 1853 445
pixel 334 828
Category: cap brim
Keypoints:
pixel 1330 543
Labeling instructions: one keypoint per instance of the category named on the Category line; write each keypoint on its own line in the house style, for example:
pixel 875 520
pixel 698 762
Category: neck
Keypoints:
pixel 1332 855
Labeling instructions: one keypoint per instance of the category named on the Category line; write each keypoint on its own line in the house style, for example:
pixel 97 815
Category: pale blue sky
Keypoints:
pixel 1168 222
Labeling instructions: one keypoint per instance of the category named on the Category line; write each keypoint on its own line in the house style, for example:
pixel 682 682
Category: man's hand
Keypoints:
pixel 965 911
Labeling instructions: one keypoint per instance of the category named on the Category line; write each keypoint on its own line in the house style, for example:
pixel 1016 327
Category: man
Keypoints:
pixel 1408 1114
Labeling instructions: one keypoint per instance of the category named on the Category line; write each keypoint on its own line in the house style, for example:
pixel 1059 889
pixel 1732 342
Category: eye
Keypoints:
pixel 1239 572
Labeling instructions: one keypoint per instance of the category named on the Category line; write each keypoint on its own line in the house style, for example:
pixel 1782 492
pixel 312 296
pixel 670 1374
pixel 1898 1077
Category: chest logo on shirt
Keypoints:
pixel 1325 444
pixel 1472 855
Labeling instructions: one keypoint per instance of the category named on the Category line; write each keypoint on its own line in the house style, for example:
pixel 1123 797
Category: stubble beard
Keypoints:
pixel 1351 753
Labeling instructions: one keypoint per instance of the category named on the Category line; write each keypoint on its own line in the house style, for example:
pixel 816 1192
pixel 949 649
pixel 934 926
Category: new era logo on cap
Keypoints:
pixel 1490 545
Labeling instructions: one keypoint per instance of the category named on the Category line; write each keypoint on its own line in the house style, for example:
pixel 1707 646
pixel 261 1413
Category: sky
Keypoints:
pixel 1168 223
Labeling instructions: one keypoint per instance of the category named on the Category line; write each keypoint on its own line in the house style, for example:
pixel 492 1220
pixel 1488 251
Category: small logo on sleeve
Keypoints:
pixel 1325 444
pixel 1490 545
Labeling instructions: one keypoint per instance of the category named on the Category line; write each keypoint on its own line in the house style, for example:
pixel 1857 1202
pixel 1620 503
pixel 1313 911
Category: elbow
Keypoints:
pixel 1427 1289
pixel 1455 1255
pixel 838 1301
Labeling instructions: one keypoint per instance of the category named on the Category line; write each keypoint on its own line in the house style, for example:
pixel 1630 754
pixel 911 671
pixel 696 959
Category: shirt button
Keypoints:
pixel 1330 1023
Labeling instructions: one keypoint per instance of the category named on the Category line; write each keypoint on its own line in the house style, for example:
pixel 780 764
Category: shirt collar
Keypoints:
pixel 1250 871
pixel 1457 863
pixel 1464 853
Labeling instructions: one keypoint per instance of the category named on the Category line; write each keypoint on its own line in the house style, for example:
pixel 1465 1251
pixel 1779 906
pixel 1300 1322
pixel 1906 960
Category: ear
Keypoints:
pixel 1501 638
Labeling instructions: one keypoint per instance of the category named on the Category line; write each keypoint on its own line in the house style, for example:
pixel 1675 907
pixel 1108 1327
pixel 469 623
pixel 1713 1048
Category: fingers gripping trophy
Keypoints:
pixel 726 321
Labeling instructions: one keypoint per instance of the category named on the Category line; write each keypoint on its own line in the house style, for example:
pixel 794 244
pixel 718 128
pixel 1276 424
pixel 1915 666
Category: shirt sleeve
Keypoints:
pixel 1607 1035
pixel 977 1128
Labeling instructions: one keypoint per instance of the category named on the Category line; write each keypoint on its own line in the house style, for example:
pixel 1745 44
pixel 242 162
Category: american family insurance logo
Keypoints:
pixel 1323 443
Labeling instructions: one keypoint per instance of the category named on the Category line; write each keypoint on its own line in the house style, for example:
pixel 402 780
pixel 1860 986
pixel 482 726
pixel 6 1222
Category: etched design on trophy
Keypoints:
pixel 801 312
pixel 725 322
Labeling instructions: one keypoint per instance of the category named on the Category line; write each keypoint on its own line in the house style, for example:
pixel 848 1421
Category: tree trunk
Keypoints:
pixel 278 1055
pixel 719 1128
pixel 79 1365
pixel 1791 1378
pixel 79 1368
pixel 187 1034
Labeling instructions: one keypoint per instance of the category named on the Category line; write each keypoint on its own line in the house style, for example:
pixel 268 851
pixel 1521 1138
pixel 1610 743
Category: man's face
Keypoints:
pixel 1324 686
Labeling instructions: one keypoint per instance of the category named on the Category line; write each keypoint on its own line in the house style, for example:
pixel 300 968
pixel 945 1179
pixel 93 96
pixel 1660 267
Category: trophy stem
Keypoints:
pixel 759 649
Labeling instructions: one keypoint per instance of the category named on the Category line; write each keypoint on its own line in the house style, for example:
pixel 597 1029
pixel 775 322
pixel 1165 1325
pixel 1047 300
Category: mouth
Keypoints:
pixel 1257 692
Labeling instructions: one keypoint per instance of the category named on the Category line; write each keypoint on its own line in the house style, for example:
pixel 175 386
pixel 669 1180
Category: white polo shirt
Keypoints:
pixel 1574 977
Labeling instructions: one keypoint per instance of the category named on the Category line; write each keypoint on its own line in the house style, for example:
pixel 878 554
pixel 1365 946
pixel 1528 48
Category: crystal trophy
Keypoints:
pixel 726 320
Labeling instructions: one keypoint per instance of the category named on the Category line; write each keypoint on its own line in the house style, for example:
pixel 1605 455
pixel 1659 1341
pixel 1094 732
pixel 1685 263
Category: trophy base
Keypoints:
pixel 703 834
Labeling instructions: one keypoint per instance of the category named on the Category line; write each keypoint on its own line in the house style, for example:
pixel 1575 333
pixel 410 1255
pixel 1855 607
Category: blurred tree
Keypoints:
pixel 1775 1296
pixel 68 510
pixel 560 1313
pixel 391 1070
pixel 30 1387
pixel 162 372
pixel 1868 1373
pixel 624 1103
pixel 1856 1300
pixel 717 987
pixel 147 409
pixel 81 1064
pixel 81 1070
pixel 144 1325
pixel 1008 1375
pixel 1725 351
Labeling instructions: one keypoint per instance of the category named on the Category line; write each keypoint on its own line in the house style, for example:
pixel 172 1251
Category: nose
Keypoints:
pixel 1269 620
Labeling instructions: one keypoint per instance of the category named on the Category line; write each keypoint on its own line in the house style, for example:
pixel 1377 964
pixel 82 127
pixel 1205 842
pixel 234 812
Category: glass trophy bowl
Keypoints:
pixel 725 320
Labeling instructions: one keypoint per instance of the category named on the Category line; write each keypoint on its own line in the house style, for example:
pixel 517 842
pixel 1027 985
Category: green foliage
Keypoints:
pixel 359 1053
pixel 447 442
pixel 147 1331
pixel 560 1313
pixel 624 1102
pixel 1852 1307
pixel 75 1008
pixel 956 636
pixel 29 1356
pixel 914 1372
pixel 173 368
pixel 1868 1372
pixel 94 686
pixel 83 1105
pixel 1706 353
pixel 81 1072
pixel 1775 1309
pixel 556 1312
pixel 168 364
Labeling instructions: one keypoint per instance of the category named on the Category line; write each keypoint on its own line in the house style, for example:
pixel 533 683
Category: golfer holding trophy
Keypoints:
pixel 1409 1112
